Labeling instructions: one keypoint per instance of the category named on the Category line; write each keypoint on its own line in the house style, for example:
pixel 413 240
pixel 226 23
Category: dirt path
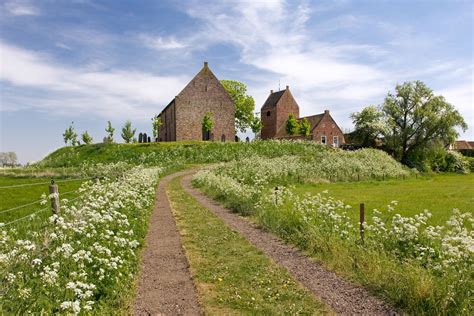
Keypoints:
pixel 165 286
pixel 343 296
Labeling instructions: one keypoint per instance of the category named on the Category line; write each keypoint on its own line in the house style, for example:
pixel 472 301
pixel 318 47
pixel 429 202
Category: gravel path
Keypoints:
pixel 343 296
pixel 165 286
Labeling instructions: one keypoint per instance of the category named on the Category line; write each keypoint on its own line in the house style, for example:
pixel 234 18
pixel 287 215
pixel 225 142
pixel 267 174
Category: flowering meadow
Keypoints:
pixel 420 268
pixel 83 260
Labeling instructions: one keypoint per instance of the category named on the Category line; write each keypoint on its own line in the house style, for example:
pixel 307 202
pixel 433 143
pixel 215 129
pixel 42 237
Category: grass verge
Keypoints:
pixel 438 193
pixel 231 275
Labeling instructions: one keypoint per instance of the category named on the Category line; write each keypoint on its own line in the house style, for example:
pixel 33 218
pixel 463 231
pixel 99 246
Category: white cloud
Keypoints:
pixel 160 43
pixel 343 76
pixel 19 8
pixel 63 46
pixel 118 93
pixel 273 38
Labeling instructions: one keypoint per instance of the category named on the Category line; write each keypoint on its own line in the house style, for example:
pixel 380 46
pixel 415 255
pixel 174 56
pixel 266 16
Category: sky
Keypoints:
pixel 88 61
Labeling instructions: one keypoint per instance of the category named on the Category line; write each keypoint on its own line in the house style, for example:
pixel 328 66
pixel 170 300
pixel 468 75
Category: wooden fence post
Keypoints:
pixel 54 196
pixel 361 221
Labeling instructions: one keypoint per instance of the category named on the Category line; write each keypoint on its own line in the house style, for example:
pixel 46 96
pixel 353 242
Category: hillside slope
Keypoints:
pixel 175 152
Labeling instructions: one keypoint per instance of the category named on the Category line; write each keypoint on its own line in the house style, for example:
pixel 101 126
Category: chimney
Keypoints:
pixel 326 112
pixel 287 87
pixel 206 64
pixel 271 91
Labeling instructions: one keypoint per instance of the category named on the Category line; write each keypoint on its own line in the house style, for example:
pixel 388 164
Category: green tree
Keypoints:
pixel 110 133
pixel 416 118
pixel 70 135
pixel 256 125
pixel 156 124
pixel 128 132
pixel 244 104
pixel 86 138
pixel 305 127
pixel 369 124
pixel 207 122
pixel 292 125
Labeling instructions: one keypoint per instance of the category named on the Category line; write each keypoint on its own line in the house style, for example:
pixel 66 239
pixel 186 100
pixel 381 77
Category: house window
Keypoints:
pixel 335 141
pixel 223 138
pixel 268 113
pixel 323 139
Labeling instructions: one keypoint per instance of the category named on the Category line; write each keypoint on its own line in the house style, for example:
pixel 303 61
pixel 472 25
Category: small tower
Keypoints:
pixel 274 112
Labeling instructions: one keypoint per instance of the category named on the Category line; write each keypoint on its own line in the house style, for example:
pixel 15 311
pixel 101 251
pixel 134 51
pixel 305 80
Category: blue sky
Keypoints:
pixel 92 61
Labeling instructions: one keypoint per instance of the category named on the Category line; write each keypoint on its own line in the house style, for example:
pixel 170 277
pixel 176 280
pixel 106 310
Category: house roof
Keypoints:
pixel 462 144
pixel 272 99
pixel 313 119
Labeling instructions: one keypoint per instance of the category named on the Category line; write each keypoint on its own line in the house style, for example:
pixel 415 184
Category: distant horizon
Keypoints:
pixel 93 61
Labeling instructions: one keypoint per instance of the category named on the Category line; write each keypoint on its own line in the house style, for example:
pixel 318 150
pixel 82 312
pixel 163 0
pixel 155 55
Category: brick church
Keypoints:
pixel 182 118
pixel 279 105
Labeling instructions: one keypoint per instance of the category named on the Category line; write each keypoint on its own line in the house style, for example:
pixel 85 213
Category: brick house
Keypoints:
pixel 182 118
pixel 462 145
pixel 274 115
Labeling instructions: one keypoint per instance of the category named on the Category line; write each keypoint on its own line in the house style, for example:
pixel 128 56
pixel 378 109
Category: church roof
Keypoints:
pixel 206 75
pixel 273 99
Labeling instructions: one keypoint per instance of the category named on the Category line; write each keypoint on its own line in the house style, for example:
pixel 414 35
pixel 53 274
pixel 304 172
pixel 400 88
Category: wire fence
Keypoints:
pixel 35 202
pixel 19 207
pixel 42 183
pixel 37 212
pixel 24 217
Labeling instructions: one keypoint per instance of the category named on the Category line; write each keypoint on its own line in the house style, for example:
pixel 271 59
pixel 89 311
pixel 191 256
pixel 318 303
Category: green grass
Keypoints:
pixel 437 193
pixel 17 196
pixel 231 275
pixel 162 153
pixel 404 282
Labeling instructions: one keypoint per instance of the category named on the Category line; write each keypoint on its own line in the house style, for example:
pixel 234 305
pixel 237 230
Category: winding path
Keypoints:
pixel 165 285
pixel 343 296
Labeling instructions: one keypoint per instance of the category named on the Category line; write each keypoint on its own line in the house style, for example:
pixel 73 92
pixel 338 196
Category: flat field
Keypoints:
pixel 15 192
pixel 437 193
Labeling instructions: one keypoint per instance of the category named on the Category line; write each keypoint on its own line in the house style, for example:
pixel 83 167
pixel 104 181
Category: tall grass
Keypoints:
pixel 420 268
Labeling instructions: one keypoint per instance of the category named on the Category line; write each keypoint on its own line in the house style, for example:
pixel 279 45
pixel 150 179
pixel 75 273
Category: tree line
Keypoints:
pixel 128 135
pixel 412 124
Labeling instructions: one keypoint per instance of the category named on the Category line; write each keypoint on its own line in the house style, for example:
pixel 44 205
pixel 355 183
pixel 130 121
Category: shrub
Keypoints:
pixel 455 162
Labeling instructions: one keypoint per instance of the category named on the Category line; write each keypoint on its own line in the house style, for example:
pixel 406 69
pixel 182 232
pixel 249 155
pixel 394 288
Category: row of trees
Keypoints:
pixel 71 137
pixel 412 124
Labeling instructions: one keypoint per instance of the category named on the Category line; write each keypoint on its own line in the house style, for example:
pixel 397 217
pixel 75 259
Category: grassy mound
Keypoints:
pixel 175 152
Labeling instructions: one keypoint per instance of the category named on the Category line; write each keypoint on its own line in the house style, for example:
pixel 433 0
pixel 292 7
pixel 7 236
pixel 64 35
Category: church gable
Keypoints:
pixel 203 86
pixel 202 95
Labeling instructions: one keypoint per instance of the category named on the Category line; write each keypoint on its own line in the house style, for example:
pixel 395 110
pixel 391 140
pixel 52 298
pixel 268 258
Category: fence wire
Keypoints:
pixel 32 203
pixel 37 212
pixel 41 183
pixel 27 216
pixel 18 207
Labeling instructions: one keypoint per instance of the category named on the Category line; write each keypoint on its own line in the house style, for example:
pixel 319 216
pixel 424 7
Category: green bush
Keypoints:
pixel 455 162
pixel 471 163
